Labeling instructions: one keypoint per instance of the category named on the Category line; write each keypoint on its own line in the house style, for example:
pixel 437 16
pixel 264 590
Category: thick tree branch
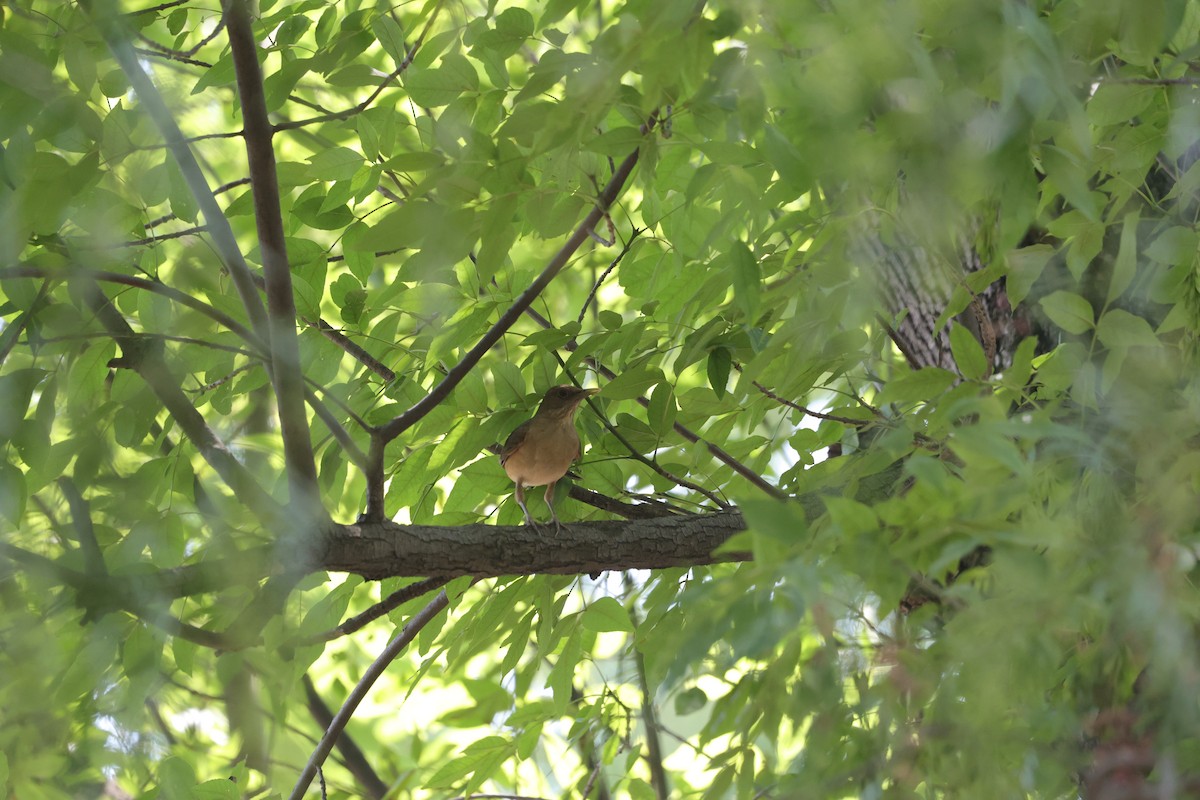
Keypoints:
pixel 100 594
pixel 378 550
pixel 654 756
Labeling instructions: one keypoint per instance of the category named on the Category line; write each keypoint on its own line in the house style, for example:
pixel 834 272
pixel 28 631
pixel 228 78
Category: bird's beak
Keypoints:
pixel 591 392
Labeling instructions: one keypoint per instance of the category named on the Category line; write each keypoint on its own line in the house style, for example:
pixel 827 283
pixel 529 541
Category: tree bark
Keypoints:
pixel 378 550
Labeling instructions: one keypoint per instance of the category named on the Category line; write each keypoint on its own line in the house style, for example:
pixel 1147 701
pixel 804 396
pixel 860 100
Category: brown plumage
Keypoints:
pixel 542 449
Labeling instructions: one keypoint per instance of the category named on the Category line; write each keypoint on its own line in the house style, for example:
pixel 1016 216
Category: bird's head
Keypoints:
pixel 563 401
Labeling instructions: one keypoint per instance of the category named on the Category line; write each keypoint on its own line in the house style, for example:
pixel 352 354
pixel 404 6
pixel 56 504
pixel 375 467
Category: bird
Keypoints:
pixel 542 449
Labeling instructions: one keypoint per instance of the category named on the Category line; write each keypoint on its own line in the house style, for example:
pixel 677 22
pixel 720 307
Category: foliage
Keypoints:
pixel 432 159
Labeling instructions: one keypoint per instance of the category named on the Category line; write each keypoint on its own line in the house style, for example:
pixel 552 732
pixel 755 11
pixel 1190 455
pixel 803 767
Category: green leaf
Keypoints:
pixel 334 164
pixel 1071 178
pixel 176 779
pixel 660 414
pixel 1068 311
pixel 1117 103
pixel 479 759
pixel 720 362
pixel 1176 245
pixel 513 27
pixel 12 493
pixel 747 281
pixel 217 789
pixel 606 614
pixel 1025 266
pixel 389 35
pixel 1125 265
pixel 441 86
pixel 632 382
pixel 968 353
pixel 689 701
pixel 920 385
pixel 1118 328
pixel 563 672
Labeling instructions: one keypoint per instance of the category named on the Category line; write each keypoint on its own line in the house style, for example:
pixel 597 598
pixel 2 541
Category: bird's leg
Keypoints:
pixel 521 502
pixel 558 526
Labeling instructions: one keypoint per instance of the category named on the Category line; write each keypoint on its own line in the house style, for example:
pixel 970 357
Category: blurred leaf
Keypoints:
pixel 746 280
pixel 921 385
pixel 968 353
pixel 1119 328
pixel 606 614
pixel 1125 265
pixel 1068 311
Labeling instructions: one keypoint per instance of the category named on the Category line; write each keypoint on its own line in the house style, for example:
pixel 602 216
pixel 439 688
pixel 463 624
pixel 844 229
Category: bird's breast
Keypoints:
pixel 545 454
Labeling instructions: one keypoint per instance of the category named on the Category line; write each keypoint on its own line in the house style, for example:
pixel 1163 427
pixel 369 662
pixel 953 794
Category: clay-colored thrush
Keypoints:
pixel 541 450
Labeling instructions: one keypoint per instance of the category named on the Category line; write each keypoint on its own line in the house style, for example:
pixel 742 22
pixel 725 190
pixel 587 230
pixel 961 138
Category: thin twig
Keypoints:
pixel 613 265
pixel 658 774
pixel 805 410
pixel 13 331
pixel 162 237
pixel 359 692
pixel 28 271
pixel 384 606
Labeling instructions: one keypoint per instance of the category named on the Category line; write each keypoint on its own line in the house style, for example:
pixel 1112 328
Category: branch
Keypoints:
pixel 389 654
pixel 649 463
pixel 162 237
pixel 440 392
pixel 384 606
pixel 102 594
pixel 385 549
pixel 286 375
pixel 113 29
pixel 27 271
pixel 356 762
pixel 857 423
pixel 579 493
pixel 349 446
pixel 142 355
pixel 81 518
pixel 611 266
pixel 13 331
pixel 658 775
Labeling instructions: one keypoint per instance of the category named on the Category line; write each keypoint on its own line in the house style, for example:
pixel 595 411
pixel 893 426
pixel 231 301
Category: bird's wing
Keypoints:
pixel 514 441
